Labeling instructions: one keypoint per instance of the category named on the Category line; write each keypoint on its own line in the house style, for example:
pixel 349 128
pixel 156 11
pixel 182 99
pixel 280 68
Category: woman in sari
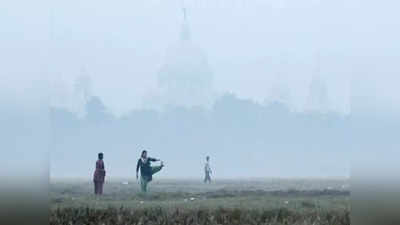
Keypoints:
pixel 99 175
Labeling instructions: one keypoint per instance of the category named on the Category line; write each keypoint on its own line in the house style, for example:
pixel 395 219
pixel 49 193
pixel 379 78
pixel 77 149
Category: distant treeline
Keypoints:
pixel 243 137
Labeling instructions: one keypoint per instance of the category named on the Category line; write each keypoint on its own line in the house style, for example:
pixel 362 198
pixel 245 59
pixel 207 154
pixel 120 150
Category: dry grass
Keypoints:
pixel 223 203
pixel 154 216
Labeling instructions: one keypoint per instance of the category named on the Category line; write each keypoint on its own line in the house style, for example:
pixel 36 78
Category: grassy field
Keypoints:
pixel 253 201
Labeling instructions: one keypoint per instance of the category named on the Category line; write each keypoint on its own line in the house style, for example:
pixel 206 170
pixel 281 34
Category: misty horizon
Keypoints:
pixel 312 70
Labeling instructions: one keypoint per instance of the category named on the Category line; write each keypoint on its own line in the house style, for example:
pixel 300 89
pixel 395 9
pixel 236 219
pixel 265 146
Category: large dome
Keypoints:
pixel 185 78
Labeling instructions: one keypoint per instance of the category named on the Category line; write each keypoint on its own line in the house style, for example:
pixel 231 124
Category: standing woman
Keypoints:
pixel 99 175
pixel 146 170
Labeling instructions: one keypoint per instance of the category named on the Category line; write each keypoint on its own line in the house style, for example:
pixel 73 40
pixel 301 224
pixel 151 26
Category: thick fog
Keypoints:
pixel 267 88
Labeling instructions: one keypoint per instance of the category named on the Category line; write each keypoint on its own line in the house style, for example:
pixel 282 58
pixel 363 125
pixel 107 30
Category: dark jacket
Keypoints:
pixel 145 167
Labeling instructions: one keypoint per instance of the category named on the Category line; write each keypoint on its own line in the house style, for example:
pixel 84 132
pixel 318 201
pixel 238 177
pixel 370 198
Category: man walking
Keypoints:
pixel 207 170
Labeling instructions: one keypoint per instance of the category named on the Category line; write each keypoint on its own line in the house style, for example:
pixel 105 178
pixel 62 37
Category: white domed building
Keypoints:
pixel 185 78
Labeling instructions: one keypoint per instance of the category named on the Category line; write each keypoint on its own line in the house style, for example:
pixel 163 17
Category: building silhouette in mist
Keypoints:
pixel 318 99
pixel 185 78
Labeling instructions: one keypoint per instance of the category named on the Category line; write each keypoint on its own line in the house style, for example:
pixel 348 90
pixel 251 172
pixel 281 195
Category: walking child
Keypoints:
pixel 207 170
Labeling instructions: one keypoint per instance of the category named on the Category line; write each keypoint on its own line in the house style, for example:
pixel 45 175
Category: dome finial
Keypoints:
pixel 185 34
pixel 184 13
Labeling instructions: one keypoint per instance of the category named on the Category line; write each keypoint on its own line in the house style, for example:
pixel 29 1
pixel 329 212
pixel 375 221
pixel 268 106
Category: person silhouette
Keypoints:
pixel 207 170
pixel 99 175
pixel 146 170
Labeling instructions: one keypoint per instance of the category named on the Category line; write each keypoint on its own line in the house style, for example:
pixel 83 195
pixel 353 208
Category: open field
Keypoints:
pixel 261 201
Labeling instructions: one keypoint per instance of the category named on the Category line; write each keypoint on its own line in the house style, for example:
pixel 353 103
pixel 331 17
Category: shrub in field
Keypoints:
pixel 307 204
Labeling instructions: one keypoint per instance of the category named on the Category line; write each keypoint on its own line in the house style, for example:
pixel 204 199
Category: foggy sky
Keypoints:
pixel 253 47
pixel 249 44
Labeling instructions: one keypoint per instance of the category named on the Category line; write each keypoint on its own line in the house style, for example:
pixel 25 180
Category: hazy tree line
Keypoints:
pixel 244 138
